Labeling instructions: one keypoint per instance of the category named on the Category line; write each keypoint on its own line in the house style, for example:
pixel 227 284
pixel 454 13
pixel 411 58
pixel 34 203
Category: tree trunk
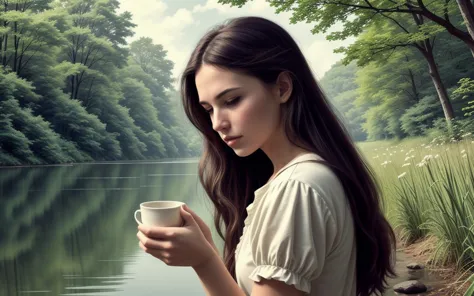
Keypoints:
pixel 416 95
pixel 16 41
pixel 467 12
pixel 5 46
pixel 438 83
pixel 5 24
pixel 411 76
pixel 426 50
pixel 72 87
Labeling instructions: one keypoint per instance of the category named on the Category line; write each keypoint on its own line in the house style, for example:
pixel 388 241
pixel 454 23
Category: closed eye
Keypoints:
pixel 234 101
pixel 229 103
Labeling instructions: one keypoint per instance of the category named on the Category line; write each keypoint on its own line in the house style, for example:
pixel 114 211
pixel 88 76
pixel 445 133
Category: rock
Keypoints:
pixel 415 274
pixel 415 266
pixel 410 287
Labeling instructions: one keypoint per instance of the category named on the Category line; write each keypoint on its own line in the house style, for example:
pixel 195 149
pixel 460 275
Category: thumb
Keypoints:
pixel 187 217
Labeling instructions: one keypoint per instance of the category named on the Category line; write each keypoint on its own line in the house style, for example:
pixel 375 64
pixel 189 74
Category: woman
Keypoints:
pixel 299 205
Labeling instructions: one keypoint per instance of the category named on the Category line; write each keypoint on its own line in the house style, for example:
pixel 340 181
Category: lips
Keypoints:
pixel 228 139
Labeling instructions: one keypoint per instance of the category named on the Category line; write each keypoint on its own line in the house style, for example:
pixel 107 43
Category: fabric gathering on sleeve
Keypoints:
pixel 292 231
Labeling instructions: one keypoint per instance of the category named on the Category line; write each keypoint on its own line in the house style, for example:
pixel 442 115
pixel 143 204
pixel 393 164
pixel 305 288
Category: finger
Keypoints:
pixel 187 217
pixel 154 244
pixel 162 255
pixel 195 216
pixel 158 232
pixel 198 219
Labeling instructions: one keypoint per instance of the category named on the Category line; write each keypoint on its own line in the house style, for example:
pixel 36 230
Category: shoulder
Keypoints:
pixel 316 175
pixel 314 180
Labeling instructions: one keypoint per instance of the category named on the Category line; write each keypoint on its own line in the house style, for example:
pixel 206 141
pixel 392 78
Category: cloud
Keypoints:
pixel 253 6
pixel 212 5
pixel 151 10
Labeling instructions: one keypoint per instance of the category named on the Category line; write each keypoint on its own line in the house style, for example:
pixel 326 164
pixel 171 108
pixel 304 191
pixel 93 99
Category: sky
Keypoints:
pixel 179 24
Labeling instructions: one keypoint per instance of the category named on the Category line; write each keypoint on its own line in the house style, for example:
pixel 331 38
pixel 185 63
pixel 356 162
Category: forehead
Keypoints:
pixel 211 80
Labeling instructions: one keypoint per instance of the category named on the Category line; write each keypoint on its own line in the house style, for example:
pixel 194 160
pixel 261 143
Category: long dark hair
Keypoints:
pixel 260 48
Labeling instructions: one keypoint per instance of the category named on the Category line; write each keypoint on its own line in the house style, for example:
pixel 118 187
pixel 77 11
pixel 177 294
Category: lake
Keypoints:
pixel 69 230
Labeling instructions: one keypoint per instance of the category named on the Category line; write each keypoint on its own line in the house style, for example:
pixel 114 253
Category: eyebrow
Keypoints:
pixel 221 94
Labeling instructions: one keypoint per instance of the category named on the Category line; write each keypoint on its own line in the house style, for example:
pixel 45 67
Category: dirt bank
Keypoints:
pixel 441 281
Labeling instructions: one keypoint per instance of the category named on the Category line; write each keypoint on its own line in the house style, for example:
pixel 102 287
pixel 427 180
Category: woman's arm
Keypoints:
pixel 216 279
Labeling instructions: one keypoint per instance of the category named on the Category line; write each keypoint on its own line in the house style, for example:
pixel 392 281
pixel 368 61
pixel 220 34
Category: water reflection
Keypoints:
pixel 70 229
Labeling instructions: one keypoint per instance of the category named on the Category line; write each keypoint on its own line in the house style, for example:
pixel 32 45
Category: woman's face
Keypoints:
pixel 244 111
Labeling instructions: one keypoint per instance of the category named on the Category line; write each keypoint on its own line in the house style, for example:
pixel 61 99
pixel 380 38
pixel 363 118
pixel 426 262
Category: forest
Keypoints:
pixel 72 90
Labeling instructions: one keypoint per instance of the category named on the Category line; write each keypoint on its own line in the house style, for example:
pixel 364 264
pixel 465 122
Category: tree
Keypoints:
pixel 339 84
pixel 31 32
pixel 356 15
pixel 95 34
pixel 467 11
pixel 383 37
pixel 152 59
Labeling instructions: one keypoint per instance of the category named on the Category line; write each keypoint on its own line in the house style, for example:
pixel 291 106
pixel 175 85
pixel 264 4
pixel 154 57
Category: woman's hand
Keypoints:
pixel 178 246
pixel 206 231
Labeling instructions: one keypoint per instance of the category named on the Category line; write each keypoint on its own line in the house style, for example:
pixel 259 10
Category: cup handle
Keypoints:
pixel 136 219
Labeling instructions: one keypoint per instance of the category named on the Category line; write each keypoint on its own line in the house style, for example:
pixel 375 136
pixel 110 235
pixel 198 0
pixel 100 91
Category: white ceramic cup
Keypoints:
pixel 160 213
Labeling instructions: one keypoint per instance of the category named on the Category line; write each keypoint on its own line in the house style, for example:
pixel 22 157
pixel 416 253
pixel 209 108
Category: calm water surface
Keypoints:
pixel 69 230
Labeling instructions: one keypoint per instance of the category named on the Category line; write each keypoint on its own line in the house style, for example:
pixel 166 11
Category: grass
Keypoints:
pixel 428 192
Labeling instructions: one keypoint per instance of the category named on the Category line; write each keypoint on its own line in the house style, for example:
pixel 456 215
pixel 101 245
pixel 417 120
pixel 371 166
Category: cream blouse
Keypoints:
pixel 299 230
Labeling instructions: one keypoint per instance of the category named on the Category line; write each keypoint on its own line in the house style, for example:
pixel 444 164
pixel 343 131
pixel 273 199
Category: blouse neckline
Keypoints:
pixel 298 159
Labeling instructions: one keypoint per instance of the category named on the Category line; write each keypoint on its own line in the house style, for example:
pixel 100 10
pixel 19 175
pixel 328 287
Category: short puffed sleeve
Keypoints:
pixel 291 233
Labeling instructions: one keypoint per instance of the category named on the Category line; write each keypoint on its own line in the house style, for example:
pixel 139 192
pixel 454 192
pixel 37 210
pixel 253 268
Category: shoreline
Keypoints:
pixel 150 161
pixel 452 282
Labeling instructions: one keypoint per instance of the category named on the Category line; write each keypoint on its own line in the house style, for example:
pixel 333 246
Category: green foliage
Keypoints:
pixel 73 90
pixel 419 118
pixel 15 142
pixel 340 87
pixel 427 187
pixel 152 60
pixel 465 91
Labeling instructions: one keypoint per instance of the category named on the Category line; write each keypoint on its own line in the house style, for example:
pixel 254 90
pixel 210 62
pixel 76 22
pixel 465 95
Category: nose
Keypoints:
pixel 220 121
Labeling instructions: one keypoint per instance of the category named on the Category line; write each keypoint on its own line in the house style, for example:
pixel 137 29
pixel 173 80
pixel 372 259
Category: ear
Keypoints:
pixel 284 86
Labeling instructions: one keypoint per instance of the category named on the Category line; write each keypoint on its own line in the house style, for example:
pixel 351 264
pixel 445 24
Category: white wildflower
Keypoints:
pixel 464 155
pixel 427 157
pixel 463 151
pixel 407 158
pixel 402 175
pixel 406 164
pixel 422 163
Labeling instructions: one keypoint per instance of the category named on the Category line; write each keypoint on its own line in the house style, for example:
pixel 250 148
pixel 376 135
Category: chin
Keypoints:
pixel 243 152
